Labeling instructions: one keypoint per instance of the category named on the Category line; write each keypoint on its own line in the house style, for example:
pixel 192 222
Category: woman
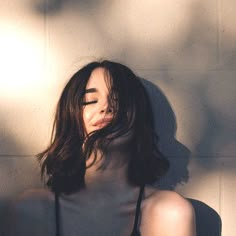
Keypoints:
pixel 101 163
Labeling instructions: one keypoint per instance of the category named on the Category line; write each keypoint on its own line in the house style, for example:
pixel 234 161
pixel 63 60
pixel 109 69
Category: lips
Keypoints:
pixel 102 122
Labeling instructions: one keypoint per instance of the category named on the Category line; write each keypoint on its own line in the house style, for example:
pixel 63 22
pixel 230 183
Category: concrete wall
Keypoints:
pixel 185 48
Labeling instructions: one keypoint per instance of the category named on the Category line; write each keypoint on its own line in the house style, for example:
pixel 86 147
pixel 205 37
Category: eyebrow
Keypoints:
pixel 90 90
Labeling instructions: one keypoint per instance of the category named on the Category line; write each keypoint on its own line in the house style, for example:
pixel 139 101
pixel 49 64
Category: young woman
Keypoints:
pixel 101 163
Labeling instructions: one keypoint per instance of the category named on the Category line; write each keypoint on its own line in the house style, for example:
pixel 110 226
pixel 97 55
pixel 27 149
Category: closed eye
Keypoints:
pixel 87 103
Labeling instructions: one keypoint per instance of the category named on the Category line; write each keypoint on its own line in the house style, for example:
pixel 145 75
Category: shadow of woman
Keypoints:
pixel 208 222
pixel 165 127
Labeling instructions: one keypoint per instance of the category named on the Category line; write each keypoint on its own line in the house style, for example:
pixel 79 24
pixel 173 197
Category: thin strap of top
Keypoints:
pixel 135 231
pixel 57 213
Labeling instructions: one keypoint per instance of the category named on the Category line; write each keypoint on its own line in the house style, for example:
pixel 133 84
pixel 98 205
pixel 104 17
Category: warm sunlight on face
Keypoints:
pixel 96 112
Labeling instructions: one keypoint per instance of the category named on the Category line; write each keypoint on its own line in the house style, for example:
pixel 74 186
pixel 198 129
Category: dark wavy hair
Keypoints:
pixel 63 163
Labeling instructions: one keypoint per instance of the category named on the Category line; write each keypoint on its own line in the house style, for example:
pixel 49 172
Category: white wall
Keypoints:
pixel 185 47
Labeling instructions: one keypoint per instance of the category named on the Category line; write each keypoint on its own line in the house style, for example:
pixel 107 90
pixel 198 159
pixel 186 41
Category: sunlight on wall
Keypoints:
pixel 22 60
pixel 26 91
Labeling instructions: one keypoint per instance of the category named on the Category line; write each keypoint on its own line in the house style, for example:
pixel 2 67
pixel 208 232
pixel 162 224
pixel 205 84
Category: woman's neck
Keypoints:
pixel 108 172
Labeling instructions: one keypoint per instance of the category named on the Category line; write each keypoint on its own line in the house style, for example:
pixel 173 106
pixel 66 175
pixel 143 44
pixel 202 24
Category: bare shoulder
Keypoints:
pixel 165 200
pixel 163 208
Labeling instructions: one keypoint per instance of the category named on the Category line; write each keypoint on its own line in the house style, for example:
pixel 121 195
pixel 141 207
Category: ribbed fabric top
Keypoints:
pixel 135 231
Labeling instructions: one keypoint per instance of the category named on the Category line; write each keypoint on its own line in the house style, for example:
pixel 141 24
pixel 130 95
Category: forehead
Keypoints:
pixel 97 79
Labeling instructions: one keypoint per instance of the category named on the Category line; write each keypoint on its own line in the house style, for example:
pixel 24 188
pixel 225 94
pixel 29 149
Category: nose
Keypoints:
pixel 106 108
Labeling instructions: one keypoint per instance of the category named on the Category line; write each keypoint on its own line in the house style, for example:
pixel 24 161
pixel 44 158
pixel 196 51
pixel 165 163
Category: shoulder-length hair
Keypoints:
pixel 63 163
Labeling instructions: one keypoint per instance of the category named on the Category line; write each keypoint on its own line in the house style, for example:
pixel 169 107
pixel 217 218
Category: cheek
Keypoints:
pixel 87 117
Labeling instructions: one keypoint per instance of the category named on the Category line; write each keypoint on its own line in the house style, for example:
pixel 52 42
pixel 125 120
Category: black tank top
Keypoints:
pixel 135 231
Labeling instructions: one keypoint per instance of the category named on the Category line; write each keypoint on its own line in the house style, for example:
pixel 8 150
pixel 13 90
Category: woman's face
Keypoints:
pixel 96 111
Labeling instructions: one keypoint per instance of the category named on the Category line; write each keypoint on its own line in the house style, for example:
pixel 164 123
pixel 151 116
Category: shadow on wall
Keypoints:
pixel 7 170
pixel 208 222
pixel 18 172
pixel 165 127
pixel 55 6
